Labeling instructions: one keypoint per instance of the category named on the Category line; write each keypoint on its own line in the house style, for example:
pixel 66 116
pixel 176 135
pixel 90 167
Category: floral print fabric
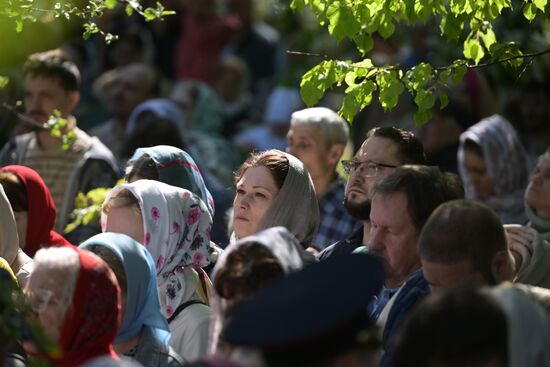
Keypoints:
pixel 176 232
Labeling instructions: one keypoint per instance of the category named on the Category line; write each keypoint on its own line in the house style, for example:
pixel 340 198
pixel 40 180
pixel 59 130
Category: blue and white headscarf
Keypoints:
pixel 177 168
pixel 142 299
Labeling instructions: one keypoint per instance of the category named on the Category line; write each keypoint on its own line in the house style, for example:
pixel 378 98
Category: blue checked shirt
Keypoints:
pixel 336 223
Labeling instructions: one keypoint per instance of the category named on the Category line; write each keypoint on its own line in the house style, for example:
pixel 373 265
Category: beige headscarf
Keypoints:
pixel 295 206
pixel 9 240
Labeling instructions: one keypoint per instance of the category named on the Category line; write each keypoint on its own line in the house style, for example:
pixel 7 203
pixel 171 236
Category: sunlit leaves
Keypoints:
pixel 3 81
pixel 468 23
pixel 473 50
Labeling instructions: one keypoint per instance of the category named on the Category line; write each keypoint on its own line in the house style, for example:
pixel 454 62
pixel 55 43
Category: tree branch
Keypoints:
pixel 22 117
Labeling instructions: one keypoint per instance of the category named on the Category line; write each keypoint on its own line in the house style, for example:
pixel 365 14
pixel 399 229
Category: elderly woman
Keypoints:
pixel 493 166
pixel 77 301
pixel 33 208
pixel 174 225
pixel 247 266
pixel 274 188
pixel 20 263
pixel 144 333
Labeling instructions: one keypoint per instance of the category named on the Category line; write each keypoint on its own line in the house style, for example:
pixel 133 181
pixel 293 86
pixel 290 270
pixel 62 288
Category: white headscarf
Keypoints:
pixel 506 163
pixel 295 206
pixel 9 240
pixel 281 243
pixel 177 234
pixel 528 328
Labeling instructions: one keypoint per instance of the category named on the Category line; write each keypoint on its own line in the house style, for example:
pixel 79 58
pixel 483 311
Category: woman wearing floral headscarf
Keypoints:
pixel 493 166
pixel 174 225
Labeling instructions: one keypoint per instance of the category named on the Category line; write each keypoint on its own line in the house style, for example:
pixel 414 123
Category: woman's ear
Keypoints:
pixel 503 266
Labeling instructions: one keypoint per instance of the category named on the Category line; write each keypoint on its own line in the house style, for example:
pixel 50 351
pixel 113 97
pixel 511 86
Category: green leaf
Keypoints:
pixel 110 4
pixel 357 97
pixel 488 37
pixel 150 14
pixel 342 21
pixel 529 11
pixel 540 4
pixel 458 70
pixel 386 27
pixel 297 5
pixel 317 80
pixel 129 10
pixel 390 89
pixel 19 25
pixel 420 117
pixel 363 41
pixel 451 26
pixel 424 99
pixel 473 50
pixel 443 100
pixel 3 81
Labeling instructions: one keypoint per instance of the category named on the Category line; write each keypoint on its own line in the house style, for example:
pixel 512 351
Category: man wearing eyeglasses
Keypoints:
pixel 384 149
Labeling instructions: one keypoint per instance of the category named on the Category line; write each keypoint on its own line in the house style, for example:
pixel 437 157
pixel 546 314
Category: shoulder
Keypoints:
pixel 345 246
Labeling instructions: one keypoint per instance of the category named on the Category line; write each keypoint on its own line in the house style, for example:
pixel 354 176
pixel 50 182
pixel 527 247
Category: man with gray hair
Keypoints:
pixel 318 137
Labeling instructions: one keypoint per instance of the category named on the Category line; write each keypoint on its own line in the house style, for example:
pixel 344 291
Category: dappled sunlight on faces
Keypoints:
pixel 126 220
pixel 478 175
pixel 254 195
pixel 42 95
pixel 308 144
pixel 45 294
pixel 393 237
pixel 360 189
pixel 537 194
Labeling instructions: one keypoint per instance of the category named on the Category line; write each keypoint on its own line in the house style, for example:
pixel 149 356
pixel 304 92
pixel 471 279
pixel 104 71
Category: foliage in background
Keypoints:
pixel 87 209
pixel 467 24
pixel 30 11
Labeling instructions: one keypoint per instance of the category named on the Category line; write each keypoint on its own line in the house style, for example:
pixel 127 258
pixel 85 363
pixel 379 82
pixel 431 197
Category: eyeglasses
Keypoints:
pixel 39 299
pixel 365 168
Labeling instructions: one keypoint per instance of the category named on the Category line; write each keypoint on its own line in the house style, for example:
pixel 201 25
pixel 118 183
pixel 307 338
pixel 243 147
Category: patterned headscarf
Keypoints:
pixel 281 243
pixel 176 233
pixel 142 298
pixel 91 322
pixel 295 206
pixel 177 168
pixel 41 211
pixel 506 163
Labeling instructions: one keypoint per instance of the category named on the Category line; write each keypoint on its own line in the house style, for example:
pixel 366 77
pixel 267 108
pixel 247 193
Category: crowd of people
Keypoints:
pixel 226 243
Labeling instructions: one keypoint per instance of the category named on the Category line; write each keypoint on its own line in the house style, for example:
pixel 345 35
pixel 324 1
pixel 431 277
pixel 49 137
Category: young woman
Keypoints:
pixel 174 225
pixel 273 188
pixel 144 333
pixel 493 167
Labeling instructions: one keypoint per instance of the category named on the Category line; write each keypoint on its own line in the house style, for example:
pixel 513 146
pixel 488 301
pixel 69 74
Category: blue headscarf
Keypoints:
pixel 177 168
pixel 142 299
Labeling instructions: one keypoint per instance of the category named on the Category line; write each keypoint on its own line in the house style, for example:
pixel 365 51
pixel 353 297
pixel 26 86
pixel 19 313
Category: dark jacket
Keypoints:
pixel 345 246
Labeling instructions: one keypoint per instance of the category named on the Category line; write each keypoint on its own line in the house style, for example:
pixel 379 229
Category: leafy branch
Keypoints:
pixel 57 125
pixel 359 20
pixel 24 11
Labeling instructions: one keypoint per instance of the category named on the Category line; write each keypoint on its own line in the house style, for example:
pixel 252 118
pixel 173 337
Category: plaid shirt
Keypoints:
pixel 336 223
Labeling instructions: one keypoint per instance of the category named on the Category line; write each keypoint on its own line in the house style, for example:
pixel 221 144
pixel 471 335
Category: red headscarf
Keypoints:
pixel 41 211
pixel 91 322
